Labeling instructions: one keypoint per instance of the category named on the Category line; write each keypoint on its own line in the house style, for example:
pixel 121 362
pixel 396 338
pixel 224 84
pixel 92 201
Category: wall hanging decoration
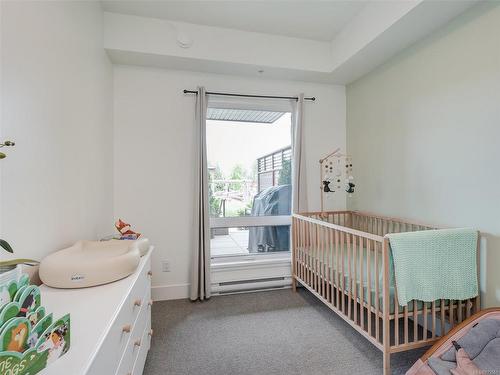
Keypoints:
pixel 30 339
pixel 336 174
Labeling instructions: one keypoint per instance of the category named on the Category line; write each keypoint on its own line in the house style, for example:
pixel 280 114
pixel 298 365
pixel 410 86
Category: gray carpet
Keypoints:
pixel 265 333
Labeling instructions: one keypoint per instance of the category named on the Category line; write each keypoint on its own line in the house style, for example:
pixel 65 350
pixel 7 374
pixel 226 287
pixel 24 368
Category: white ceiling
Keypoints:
pixel 311 19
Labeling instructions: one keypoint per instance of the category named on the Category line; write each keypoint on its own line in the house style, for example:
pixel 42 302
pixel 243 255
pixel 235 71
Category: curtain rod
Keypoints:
pixel 249 96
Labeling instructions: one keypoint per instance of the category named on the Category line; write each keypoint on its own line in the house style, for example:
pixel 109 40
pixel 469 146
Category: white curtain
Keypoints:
pixel 200 272
pixel 299 186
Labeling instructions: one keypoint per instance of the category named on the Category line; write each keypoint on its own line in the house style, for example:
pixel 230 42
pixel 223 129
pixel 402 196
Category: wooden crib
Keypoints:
pixel 342 257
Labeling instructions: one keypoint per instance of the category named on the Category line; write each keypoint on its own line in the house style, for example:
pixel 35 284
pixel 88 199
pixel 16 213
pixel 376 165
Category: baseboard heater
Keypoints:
pixel 241 286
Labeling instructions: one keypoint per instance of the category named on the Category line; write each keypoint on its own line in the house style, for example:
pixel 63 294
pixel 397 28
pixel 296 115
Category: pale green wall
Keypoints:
pixel 424 132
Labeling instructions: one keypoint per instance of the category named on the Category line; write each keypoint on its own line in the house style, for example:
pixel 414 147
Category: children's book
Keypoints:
pixel 30 338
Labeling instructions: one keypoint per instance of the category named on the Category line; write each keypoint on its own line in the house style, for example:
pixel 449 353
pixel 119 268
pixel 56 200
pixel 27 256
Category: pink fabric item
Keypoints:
pixel 465 366
pixel 420 368
pixel 447 344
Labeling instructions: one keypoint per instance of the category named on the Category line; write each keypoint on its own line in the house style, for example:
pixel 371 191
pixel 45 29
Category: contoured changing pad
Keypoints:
pixel 91 263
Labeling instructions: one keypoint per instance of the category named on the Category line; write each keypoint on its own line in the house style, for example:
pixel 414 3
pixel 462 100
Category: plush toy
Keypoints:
pixel 125 231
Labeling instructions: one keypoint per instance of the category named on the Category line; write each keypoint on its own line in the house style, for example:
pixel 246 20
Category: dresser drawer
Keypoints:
pixel 140 360
pixel 124 326
pixel 136 341
pixel 137 296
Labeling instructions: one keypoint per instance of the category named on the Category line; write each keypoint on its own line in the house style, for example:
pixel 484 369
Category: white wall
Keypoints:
pixel 154 146
pixel 424 131
pixel 56 96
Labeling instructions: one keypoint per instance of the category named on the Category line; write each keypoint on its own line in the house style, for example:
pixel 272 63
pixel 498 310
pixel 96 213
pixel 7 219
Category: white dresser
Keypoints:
pixel 110 325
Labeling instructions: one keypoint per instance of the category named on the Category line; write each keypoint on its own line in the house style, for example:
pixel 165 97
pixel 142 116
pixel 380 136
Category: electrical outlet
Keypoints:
pixel 165 266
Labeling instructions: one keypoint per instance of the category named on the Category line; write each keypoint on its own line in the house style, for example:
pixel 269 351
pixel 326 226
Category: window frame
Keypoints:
pixel 252 221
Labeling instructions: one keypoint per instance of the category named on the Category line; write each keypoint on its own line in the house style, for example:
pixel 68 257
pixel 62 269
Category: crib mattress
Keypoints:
pixel 331 261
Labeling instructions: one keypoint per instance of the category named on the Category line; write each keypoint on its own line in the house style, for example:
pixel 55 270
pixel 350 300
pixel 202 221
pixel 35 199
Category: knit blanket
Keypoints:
pixel 435 264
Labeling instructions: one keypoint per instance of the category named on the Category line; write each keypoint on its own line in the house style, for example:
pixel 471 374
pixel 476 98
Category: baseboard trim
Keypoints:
pixel 170 292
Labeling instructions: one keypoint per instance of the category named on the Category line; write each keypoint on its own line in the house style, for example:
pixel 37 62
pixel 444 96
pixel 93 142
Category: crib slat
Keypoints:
pixel 325 263
pixel 296 234
pixel 337 268
pixel 318 260
pixel 459 311
pixel 443 323
pixel 452 318
pixel 396 316
pixel 355 278
pixel 386 323
pixel 361 284
pixel 433 313
pixel 332 265
pixel 310 249
pixel 315 256
pixel 294 253
pixel 425 321
pixel 405 318
pixel 321 261
pixel 377 292
pixel 369 283
pixel 342 275
pixel 349 274
pixel 415 321
pixel 309 258
pixel 329 266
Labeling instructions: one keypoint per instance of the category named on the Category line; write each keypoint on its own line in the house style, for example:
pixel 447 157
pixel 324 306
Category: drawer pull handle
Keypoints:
pixel 137 302
pixel 127 328
pixel 150 273
pixel 150 333
pixel 150 303
pixel 137 342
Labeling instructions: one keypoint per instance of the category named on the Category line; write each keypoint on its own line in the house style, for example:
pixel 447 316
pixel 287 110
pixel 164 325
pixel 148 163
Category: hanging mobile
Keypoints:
pixel 326 186
pixel 332 170
pixel 6 144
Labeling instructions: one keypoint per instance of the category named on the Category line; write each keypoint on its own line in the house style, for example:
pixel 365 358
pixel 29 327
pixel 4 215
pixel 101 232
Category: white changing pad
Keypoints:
pixel 91 263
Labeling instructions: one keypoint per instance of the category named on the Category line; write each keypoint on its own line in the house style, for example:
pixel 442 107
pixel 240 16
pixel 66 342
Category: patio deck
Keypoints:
pixel 234 243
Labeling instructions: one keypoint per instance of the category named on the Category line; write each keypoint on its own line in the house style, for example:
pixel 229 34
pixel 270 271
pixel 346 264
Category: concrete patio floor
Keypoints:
pixel 234 243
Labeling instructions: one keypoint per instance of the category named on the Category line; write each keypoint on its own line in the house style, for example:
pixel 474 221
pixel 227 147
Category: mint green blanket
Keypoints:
pixel 435 264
